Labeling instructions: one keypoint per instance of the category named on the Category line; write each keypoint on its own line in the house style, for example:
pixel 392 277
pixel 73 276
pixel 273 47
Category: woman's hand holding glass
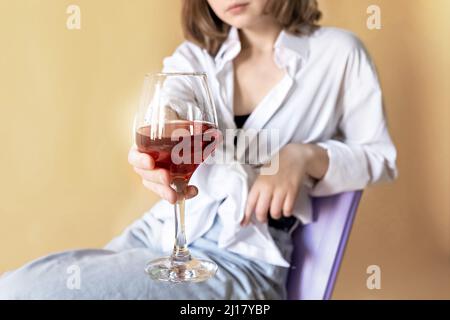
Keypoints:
pixel 155 179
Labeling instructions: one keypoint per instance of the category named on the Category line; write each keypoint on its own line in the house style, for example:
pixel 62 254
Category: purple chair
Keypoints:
pixel 319 247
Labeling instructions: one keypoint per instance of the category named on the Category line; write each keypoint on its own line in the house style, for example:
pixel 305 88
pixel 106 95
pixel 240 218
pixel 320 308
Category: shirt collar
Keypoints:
pixel 298 45
pixel 229 49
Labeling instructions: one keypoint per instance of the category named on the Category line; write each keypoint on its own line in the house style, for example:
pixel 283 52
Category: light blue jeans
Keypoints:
pixel 117 272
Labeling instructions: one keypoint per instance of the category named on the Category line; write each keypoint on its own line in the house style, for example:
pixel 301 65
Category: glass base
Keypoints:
pixel 193 270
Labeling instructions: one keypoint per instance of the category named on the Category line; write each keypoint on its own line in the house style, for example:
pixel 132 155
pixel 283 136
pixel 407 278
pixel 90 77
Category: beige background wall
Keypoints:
pixel 67 99
pixel 404 227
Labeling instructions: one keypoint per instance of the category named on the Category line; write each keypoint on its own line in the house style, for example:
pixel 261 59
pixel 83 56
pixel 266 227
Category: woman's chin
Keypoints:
pixel 241 22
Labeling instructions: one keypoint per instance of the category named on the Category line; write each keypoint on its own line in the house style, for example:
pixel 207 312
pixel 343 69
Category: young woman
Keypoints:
pixel 269 67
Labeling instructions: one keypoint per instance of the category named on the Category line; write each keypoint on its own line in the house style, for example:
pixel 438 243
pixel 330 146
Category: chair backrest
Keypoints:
pixel 319 247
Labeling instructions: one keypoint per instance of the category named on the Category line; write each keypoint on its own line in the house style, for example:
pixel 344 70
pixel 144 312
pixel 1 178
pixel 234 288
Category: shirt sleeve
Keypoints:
pixel 362 151
pixel 186 58
pixel 182 95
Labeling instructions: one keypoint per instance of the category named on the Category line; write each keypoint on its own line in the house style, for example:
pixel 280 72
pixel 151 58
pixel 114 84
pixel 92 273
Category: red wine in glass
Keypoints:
pixel 196 140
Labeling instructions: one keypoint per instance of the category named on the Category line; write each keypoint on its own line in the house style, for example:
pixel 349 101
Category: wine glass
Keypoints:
pixel 176 125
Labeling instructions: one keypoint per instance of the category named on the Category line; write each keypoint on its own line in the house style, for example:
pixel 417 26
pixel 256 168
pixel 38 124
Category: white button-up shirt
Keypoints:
pixel 330 95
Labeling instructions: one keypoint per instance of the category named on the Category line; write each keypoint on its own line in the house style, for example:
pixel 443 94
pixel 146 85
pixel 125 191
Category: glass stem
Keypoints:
pixel 180 250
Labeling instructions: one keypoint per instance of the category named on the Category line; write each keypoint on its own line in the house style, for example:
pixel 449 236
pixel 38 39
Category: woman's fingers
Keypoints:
pixel 153 182
pixel 250 207
pixel 167 192
pixel 191 192
pixel 157 180
pixel 276 206
pixel 263 205
pixel 156 175
pixel 262 202
pixel 288 205
pixel 163 191
pixel 140 160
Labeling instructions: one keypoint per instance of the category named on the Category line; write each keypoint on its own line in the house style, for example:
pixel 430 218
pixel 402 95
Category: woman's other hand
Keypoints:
pixel 276 194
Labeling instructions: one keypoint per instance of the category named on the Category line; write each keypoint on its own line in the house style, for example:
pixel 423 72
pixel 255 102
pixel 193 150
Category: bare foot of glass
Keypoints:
pixel 180 266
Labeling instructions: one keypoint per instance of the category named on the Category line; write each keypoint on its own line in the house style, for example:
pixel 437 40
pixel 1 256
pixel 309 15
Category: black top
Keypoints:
pixel 283 223
pixel 240 120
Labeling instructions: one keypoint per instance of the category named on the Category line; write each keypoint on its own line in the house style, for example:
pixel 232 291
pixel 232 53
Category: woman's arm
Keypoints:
pixel 362 153
pixel 317 163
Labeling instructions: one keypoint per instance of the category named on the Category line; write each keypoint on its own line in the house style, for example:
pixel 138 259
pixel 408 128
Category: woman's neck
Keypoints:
pixel 261 37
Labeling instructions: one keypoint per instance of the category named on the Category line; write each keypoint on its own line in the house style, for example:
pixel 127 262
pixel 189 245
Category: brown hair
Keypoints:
pixel 202 26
